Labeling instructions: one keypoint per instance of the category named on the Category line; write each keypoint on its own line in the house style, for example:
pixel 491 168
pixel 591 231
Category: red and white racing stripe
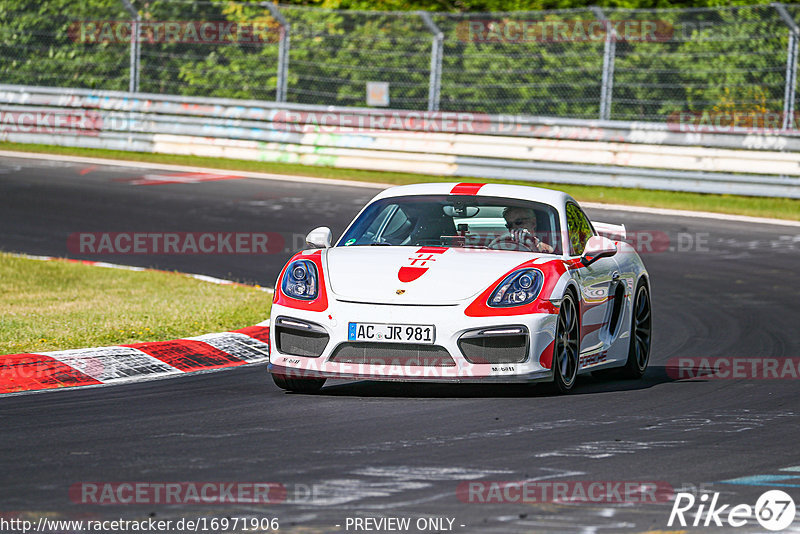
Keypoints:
pixel 130 363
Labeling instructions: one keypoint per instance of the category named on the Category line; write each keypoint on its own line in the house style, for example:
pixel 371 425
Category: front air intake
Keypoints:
pixel 495 345
pixel 300 338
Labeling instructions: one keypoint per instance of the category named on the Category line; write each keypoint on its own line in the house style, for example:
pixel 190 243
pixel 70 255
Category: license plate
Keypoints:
pixel 391 333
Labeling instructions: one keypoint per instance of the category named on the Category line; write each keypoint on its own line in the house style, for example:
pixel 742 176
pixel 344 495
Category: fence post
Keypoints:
pixel 283 52
pixel 609 54
pixel 791 66
pixel 135 54
pixel 437 50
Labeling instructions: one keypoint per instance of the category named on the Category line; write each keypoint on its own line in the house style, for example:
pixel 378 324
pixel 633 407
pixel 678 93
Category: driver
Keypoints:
pixel 521 224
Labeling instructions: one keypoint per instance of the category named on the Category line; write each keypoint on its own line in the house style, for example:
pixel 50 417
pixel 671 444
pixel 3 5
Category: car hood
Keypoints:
pixel 416 275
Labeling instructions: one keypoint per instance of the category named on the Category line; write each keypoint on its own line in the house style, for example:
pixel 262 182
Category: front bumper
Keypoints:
pixel 406 362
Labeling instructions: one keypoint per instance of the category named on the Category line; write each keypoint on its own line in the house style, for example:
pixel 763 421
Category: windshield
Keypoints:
pixel 454 221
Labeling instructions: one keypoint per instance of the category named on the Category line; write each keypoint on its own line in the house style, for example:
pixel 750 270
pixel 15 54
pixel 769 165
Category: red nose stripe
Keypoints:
pixel 466 189
pixel 409 274
pixel 432 250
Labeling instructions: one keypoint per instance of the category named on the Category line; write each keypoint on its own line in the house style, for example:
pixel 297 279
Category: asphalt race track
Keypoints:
pixel 378 450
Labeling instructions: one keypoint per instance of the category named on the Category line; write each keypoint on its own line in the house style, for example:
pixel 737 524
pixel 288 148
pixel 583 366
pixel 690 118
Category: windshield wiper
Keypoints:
pixel 381 243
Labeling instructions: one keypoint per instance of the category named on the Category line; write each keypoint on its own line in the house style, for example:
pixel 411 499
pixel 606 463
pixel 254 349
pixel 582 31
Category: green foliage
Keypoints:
pixel 579 228
pixel 512 5
pixel 37 45
pixel 730 59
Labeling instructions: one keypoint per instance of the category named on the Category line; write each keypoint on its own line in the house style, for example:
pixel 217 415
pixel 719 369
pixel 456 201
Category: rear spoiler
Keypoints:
pixel 614 232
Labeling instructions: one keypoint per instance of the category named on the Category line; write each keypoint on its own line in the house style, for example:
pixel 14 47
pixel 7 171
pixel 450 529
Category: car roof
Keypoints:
pixel 521 192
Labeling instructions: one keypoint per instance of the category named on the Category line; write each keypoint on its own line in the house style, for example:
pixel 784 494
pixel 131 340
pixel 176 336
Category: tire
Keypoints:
pixel 641 334
pixel 298 385
pixel 566 348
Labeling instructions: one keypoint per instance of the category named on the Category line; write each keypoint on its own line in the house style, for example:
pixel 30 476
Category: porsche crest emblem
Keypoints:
pixel 400 291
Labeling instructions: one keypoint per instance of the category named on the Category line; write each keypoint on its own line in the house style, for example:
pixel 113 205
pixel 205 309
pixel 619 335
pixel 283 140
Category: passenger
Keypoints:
pixel 521 224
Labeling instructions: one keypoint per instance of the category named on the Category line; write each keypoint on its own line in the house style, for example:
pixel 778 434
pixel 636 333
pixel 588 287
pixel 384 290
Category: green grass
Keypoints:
pixel 55 305
pixel 779 208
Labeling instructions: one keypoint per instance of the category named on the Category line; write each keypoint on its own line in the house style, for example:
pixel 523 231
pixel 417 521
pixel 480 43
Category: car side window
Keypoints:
pixel 579 228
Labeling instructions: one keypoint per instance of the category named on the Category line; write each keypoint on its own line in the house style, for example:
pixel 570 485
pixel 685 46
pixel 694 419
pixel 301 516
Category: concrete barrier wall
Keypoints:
pixel 609 153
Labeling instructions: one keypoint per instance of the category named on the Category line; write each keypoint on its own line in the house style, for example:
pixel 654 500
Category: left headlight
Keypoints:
pixel 300 280
pixel 516 289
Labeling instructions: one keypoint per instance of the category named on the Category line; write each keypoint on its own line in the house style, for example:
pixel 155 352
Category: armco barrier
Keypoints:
pixel 610 153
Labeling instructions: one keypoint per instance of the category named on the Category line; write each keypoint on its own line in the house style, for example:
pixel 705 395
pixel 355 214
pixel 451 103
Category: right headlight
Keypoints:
pixel 300 280
pixel 518 288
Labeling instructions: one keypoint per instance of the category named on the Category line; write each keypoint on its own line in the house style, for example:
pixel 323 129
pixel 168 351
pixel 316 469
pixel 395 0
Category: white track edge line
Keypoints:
pixel 689 213
pixel 375 185
pixel 188 168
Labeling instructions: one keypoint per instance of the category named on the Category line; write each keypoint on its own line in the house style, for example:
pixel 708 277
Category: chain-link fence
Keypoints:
pixel 580 63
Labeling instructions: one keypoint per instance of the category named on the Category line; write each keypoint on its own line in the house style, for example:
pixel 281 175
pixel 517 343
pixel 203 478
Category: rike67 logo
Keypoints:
pixel 774 510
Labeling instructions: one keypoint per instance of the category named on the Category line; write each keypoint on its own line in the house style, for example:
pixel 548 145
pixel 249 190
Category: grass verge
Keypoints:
pixel 779 208
pixel 55 305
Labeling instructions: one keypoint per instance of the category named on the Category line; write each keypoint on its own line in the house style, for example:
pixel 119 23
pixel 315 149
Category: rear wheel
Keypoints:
pixel 567 346
pixel 298 385
pixel 641 323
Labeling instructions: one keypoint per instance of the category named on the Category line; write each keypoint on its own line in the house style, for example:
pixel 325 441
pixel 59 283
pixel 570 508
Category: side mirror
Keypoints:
pixel 319 237
pixel 598 247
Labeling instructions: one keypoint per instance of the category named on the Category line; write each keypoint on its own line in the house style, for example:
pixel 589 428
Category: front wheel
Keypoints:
pixel 567 345
pixel 641 323
pixel 298 385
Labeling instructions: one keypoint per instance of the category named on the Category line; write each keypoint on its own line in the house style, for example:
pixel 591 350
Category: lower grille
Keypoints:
pixel 299 338
pixel 391 354
pixel 493 348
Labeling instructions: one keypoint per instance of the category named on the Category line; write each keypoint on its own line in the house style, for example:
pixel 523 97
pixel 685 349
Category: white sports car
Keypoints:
pixel 462 282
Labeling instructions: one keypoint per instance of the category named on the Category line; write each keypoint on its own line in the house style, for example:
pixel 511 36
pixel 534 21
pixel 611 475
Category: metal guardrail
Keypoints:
pixel 608 153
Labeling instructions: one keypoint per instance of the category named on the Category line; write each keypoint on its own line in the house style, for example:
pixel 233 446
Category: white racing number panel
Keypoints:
pixel 391 333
